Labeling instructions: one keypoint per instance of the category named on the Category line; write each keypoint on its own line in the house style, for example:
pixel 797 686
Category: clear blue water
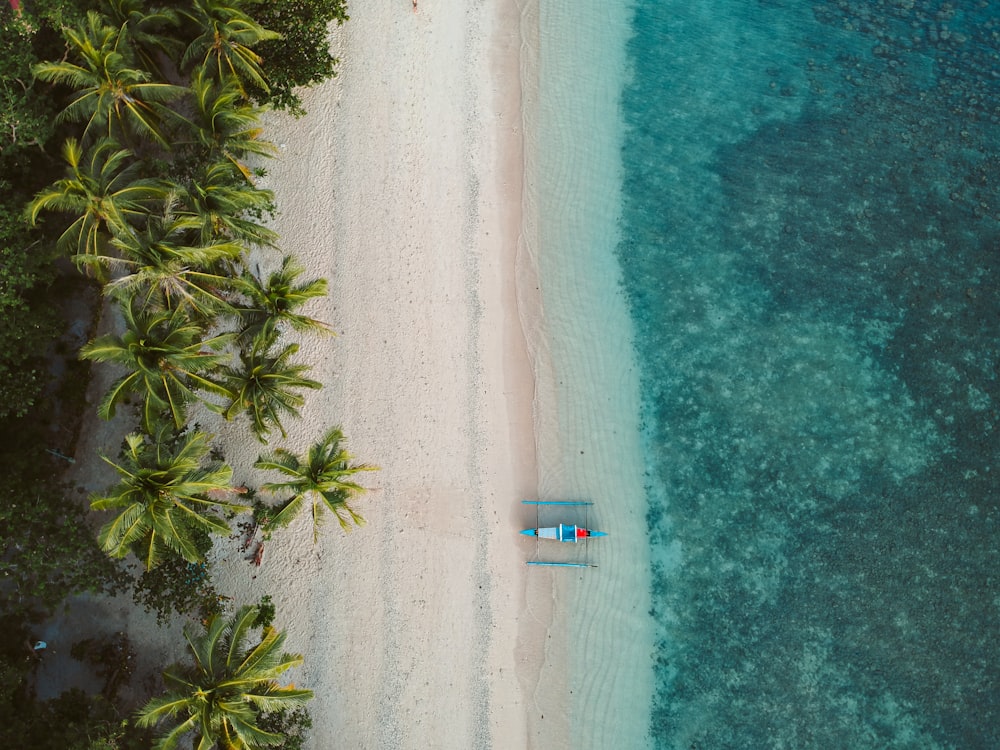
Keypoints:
pixel 811 256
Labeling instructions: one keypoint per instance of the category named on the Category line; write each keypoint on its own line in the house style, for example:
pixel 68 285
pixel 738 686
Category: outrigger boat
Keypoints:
pixel 562 532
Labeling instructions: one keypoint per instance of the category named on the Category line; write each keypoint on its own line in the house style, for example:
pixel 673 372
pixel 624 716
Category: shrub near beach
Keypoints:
pixel 154 196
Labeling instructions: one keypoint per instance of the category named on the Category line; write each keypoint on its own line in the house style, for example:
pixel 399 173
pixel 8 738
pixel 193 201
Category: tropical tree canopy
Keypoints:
pixel 167 359
pixel 220 199
pixel 164 494
pixel 102 190
pixel 109 93
pixel 165 272
pixel 225 125
pixel 275 302
pixel 264 386
pixel 229 688
pixel 225 42
pixel 302 56
pixel 151 31
pixel 320 481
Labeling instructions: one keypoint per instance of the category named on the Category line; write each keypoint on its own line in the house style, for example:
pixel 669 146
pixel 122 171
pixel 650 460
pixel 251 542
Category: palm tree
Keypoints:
pixel 162 497
pixel 167 359
pixel 272 303
pixel 220 199
pixel 320 480
pixel 164 272
pixel 263 386
pixel 148 30
pixel 222 696
pixel 224 45
pixel 225 124
pixel 108 90
pixel 102 189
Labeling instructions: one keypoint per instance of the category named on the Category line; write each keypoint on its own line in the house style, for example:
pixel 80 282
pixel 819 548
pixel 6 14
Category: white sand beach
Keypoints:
pixel 402 186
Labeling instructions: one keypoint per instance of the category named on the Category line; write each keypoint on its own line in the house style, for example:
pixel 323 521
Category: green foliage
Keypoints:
pixel 223 45
pixel 102 190
pixel 263 386
pixel 27 320
pixel 219 198
pixel 115 98
pixel 47 550
pixel 108 73
pixel 228 687
pixel 51 16
pixel 320 481
pixel 271 306
pixel 262 515
pixel 292 725
pixel 27 324
pixel 165 493
pixel 150 31
pixel 25 117
pixel 265 613
pixel 224 124
pixel 177 587
pixel 161 270
pixel 302 56
pixel 168 362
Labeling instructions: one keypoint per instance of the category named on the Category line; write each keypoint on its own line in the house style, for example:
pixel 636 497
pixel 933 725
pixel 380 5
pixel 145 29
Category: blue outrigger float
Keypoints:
pixel 561 533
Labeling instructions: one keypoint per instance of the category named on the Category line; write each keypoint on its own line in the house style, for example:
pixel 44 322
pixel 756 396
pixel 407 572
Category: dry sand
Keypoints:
pixel 402 186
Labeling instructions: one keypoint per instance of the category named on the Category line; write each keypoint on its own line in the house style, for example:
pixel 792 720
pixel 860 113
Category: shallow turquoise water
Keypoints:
pixel 811 254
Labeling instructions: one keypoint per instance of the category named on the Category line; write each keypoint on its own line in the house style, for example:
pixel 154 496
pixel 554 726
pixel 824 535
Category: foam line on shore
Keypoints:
pixel 587 379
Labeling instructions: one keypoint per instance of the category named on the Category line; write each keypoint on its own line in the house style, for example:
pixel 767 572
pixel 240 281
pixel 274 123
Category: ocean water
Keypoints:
pixel 807 243
pixel 596 691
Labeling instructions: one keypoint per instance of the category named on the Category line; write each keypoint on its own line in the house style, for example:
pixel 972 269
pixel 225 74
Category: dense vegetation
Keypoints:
pixel 130 144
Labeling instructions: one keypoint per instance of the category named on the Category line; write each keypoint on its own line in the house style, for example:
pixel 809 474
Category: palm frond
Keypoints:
pixel 118 534
pixel 288 512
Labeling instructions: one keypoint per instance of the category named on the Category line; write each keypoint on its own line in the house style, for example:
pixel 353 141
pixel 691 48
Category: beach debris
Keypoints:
pixel 36 651
pixel 251 532
pixel 59 454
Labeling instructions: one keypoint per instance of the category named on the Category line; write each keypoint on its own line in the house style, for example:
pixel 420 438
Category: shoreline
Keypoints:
pixel 587 377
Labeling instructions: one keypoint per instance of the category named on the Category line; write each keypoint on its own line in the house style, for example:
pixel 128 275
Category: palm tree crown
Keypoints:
pixel 321 480
pixel 162 497
pixel 220 199
pixel 263 386
pixel 275 302
pixel 230 685
pixel 109 93
pixel 167 359
pixel 165 272
pixel 224 45
pixel 225 124
pixel 102 189
pixel 151 31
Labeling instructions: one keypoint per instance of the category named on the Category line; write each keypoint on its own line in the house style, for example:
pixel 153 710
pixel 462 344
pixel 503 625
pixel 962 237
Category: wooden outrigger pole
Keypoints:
pixel 556 502
pixel 560 533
